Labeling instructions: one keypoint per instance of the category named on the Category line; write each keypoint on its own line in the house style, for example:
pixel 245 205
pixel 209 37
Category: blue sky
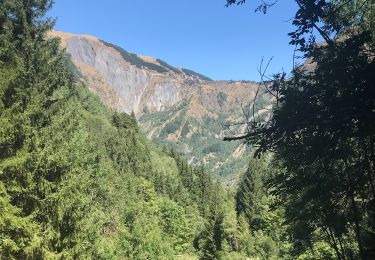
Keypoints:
pixel 205 36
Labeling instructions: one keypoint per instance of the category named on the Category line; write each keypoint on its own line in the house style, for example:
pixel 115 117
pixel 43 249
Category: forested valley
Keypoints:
pixel 81 181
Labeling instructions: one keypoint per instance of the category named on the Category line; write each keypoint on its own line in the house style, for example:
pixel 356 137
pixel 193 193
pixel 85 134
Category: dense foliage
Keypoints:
pixel 195 74
pixel 198 139
pixel 322 132
pixel 135 60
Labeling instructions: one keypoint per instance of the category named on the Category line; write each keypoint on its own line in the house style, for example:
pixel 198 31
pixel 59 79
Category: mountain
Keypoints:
pixel 176 107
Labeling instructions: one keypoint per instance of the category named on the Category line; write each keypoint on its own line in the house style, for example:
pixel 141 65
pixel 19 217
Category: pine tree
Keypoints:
pixel 250 193
pixel 26 99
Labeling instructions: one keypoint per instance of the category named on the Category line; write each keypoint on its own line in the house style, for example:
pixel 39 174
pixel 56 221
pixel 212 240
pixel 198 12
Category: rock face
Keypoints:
pixel 175 106
pixel 133 88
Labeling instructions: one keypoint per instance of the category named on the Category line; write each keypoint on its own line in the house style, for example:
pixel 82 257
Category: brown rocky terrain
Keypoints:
pixel 174 106
pixel 126 87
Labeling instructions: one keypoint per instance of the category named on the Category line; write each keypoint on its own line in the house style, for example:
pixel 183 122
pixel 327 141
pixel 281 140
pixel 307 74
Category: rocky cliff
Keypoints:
pixel 176 107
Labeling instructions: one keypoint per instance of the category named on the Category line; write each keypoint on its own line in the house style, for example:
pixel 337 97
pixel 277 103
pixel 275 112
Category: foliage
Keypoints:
pixel 166 65
pixel 135 60
pixel 249 195
pixel 263 229
pixel 195 74
pixel 322 132
pixel 222 98
pixel 197 138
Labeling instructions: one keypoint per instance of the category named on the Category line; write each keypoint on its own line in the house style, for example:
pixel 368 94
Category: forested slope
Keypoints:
pixel 79 181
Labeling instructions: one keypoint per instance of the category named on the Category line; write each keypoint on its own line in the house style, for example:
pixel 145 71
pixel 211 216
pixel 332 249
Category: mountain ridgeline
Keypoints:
pixel 178 108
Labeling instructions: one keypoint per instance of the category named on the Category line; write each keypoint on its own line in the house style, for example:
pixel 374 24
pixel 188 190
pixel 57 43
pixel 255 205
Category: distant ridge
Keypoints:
pixel 160 67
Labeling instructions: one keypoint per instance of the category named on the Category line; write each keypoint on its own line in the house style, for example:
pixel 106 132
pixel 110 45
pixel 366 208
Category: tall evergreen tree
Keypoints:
pixel 250 193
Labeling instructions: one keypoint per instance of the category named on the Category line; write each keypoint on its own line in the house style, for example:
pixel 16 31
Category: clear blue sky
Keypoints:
pixel 202 35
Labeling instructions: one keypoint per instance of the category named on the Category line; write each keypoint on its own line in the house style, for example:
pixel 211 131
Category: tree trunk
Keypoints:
pixel 357 226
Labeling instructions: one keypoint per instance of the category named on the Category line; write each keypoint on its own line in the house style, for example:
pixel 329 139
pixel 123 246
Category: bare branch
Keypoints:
pixel 255 120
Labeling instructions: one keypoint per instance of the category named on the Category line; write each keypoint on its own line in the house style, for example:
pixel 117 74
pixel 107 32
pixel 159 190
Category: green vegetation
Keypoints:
pixel 197 140
pixel 222 98
pixel 166 65
pixel 322 133
pixel 162 68
pixel 195 74
pixel 135 60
